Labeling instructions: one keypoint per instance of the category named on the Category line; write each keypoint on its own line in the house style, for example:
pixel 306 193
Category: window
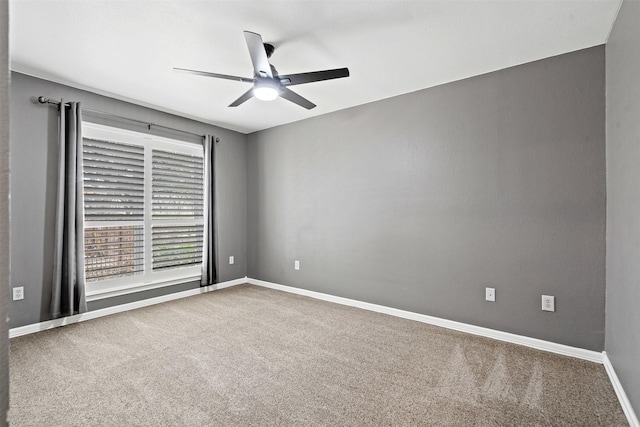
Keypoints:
pixel 144 210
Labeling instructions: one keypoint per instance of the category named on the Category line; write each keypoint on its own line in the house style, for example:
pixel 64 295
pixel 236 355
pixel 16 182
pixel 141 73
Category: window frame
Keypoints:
pixel 149 279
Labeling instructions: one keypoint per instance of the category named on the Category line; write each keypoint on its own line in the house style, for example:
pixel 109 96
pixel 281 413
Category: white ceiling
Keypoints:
pixel 127 49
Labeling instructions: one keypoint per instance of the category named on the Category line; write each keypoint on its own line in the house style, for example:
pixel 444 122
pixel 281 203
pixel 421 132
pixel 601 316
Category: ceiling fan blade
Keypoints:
pixel 290 95
pixel 220 76
pixel 314 76
pixel 245 97
pixel 258 55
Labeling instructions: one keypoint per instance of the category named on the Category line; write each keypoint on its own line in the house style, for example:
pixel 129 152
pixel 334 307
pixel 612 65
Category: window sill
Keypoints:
pixel 129 289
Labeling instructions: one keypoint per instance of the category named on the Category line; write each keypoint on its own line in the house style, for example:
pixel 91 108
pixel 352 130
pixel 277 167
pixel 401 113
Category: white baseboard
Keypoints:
pixel 49 324
pixel 622 396
pixel 539 344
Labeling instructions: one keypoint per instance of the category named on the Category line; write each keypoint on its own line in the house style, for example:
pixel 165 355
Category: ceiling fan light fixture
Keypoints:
pixel 266 90
pixel 267 83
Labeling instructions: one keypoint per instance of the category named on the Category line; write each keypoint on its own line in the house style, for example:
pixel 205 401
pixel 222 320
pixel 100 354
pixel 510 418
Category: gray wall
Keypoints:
pixel 4 211
pixel 33 185
pixel 623 199
pixel 421 201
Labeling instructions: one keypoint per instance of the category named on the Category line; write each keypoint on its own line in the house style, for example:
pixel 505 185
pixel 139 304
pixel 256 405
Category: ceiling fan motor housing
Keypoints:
pixel 268 48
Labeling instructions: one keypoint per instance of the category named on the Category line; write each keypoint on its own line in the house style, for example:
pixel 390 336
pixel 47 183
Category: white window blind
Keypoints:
pixel 112 252
pixel 144 209
pixel 177 246
pixel 178 182
pixel 113 181
pixel 113 192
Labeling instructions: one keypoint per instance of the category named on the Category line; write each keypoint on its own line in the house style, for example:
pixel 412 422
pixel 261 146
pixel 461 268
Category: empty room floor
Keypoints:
pixel 247 355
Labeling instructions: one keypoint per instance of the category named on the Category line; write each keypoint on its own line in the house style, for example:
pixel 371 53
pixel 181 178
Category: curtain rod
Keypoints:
pixel 44 100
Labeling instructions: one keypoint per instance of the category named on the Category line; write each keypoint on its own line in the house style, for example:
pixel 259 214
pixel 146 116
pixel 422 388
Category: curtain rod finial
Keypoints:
pixel 42 100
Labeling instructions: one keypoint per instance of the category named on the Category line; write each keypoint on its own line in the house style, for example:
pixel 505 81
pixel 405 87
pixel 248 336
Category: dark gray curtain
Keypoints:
pixel 68 290
pixel 209 260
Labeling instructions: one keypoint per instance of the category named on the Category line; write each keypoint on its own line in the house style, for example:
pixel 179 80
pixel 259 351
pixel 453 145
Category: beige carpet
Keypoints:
pixel 250 356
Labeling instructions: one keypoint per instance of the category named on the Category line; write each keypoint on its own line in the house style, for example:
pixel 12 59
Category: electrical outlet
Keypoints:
pixel 18 293
pixel 490 294
pixel 296 265
pixel 548 303
pixel 232 259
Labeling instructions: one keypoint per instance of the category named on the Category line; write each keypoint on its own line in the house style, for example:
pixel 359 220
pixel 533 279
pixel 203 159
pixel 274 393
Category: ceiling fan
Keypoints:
pixel 267 83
